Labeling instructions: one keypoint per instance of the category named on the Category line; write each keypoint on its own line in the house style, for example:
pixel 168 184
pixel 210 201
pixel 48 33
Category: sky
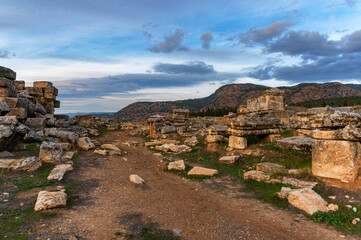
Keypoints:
pixel 104 55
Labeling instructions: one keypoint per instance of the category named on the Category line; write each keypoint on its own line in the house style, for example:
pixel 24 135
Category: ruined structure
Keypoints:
pixel 180 114
pixel 336 150
pixel 270 100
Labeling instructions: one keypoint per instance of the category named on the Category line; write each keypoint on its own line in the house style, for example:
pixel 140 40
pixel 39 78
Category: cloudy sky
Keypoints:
pixel 104 55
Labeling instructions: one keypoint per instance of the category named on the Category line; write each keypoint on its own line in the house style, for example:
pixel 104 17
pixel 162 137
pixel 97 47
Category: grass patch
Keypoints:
pixel 287 133
pixel 14 223
pixel 267 192
pixel 341 219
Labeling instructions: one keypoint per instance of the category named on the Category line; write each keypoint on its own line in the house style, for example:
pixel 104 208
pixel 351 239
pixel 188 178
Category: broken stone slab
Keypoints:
pixel 177 165
pixel 237 142
pixel 58 172
pixel 29 164
pixel 298 183
pixel 229 159
pixel 101 152
pixel 191 141
pixel 350 133
pixel 10 135
pixel 85 143
pixel 47 200
pixel 32 136
pixel 336 159
pixel 305 199
pixel 268 167
pixel 67 156
pixel 300 144
pixel 255 132
pixel 217 130
pixel 201 171
pixel 179 148
pixel 51 152
pixel 6 163
pixel 254 123
pixel 65 146
pixel 19 113
pixel 36 124
pixel 136 179
pixel 7 73
pixel 151 143
pixel 257 175
pixel 62 134
pixel 168 129
pixel 8 120
pixel 93 132
pixel 215 139
pixel 110 147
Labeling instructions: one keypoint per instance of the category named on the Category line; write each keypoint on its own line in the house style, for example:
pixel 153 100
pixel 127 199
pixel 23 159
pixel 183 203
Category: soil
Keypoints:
pixel 109 206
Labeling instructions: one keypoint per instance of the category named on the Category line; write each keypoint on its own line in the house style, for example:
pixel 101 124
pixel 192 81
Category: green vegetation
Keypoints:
pixel 332 102
pixel 214 112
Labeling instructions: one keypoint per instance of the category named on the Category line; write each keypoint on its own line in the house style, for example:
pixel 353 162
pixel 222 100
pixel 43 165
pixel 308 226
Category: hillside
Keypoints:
pixel 234 95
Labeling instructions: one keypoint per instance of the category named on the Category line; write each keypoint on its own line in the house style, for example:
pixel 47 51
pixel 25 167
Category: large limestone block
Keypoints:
pixel 305 199
pixel 47 86
pixel 29 164
pixel 255 132
pixel 336 159
pixel 47 200
pixel 237 142
pixel 50 152
pixel 201 171
pixel 58 172
pixel 351 133
pixel 177 165
pixel 64 135
pixel 215 139
pixel 229 159
pixel 36 124
pixel 254 123
pixel 20 113
pixel 7 73
pixel 191 141
pixel 301 144
pixel 85 143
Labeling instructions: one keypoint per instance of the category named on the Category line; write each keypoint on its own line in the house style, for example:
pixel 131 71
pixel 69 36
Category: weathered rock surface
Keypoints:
pixel 50 152
pixel 85 143
pixel 6 163
pixel 177 165
pixel 7 73
pixel 201 171
pixel 63 135
pixel 257 175
pixel 67 156
pixel 298 183
pixel 305 199
pixel 136 179
pixel 217 130
pixel 301 144
pixel 168 129
pixel 173 148
pixel 110 147
pixel 58 172
pixel 215 139
pixel 336 159
pixel 93 132
pixel 350 133
pixel 229 159
pixel 29 164
pixel 192 141
pixel 237 142
pixel 47 200
pixel 6 154
pixel 101 152
pixel 249 123
pixel 268 167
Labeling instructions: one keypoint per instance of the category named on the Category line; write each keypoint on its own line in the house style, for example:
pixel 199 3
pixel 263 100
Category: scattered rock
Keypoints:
pixel 6 163
pixel 301 144
pixel 177 165
pixel 67 156
pixel 238 142
pixel 257 175
pixel 136 179
pixel 50 152
pixel 47 200
pixel 298 183
pixel 58 172
pixel 93 132
pixel 6 154
pixel 201 171
pixel 270 167
pixel 101 152
pixel 85 143
pixel 192 141
pixel 229 159
pixel 110 147
pixel 215 139
pixel 29 164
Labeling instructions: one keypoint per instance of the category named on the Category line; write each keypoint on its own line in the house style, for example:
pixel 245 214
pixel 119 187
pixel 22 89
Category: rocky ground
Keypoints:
pixel 103 204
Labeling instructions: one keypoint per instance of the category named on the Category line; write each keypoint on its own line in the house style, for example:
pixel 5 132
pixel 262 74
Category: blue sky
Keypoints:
pixel 104 55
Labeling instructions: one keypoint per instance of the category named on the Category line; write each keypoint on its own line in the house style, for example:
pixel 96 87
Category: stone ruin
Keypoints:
pixel 336 148
pixel 270 100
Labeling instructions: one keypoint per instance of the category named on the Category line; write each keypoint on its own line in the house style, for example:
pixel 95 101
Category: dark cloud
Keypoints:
pixel 170 43
pixel 147 35
pixel 206 38
pixel 196 67
pixel 351 3
pixel 6 54
pixel 262 35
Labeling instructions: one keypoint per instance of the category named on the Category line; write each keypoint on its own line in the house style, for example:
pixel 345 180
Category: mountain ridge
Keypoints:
pixel 233 95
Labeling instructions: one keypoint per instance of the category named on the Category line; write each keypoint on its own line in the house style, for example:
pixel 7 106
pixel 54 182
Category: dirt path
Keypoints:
pixel 209 209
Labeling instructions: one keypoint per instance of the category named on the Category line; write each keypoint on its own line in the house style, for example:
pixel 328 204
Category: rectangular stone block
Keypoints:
pixel 10 101
pixel 334 159
pixel 36 124
pixel 237 142
pixel 8 92
pixel 4 82
pixel 20 113
pixel 7 73
pixel 48 86
pixel 35 91
pixel 49 95
pixel 20 85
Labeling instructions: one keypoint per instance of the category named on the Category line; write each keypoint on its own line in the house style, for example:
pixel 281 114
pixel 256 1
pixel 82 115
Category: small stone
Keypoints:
pixel 270 167
pixel 332 207
pixel 48 200
pixel 332 197
pixel 110 147
pixel 177 165
pixel 201 171
pixel 229 159
pixel 177 231
pixel 257 175
pixel 101 152
pixel 136 179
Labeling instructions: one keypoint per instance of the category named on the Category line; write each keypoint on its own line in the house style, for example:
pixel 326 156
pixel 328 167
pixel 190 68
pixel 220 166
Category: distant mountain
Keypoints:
pixel 98 114
pixel 234 95
pixel 354 86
